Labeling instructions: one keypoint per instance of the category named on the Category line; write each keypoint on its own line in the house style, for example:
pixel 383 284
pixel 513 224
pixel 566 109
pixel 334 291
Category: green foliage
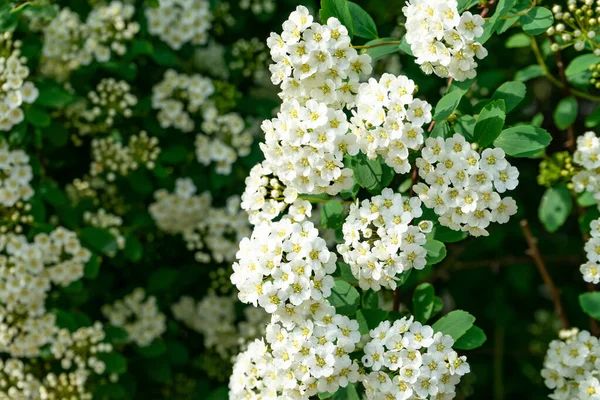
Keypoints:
pixel 455 323
pixel 339 9
pixel 344 297
pixel 523 141
pixel 537 20
pixel 555 207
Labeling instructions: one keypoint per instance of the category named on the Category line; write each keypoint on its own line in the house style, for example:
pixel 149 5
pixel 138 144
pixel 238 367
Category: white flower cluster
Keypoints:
pixel 305 147
pixel 138 315
pixel 16 381
pixel 388 120
pixel 591 269
pixel 178 22
pixel 182 210
pixel 258 6
pixel 224 138
pixel 283 263
pixel 214 317
pixel 587 156
pixel 27 272
pixel 314 61
pixel 14 90
pixel 178 97
pixel 442 40
pixel 111 158
pixel 300 360
pixel 212 232
pixel 407 360
pixel 80 349
pixel 265 198
pixel 15 176
pixel 250 59
pixel 380 241
pixel 217 235
pixel 571 366
pixel 463 187
pixel 64 386
pixel 105 220
pixel 70 43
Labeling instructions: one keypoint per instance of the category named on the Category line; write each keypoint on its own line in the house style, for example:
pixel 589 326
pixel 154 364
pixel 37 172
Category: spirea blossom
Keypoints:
pixel 314 61
pixel 214 317
pixel 283 263
pixel 15 176
pixel 381 240
pixel 407 360
pixel 571 366
pixel 178 97
pixel 305 147
pixel 300 361
pixel 223 139
pixel 388 120
pixel 591 269
pixel 177 22
pixel 14 89
pixel 139 315
pixel 587 156
pixel 79 350
pixel 463 187
pixel 442 40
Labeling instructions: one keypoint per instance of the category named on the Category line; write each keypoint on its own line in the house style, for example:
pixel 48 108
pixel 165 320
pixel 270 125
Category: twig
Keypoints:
pixel 487 8
pixel 396 305
pixel 535 254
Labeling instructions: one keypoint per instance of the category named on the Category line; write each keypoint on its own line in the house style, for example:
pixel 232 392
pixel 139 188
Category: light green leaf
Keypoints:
pixel 581 64
pixel 475 337
pixel 338 9
pixel 447 104
pixel 512 93
pixel 364 26
pixel 98 239
pixel 555 207
pixel 371 174
pixel 523 140
pixel 565 113
pixel 369 319
pixel 344 297
pixel 593 119
pixel 423 299
pixel 436 251
pixel 517 40
pixel 455 323
pixel 489 123
pixel 332 214
pixel 537 20
pixel 528 73
pixel 590 304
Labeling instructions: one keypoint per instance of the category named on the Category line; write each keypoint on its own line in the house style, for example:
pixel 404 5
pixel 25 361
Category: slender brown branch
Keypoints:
pixel 487 8
pixel 535 254
pixel 560 64
pixel 396 305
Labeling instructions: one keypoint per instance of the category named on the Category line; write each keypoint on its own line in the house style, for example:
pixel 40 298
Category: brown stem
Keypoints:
pixel 535 254
pixel 560 64
pixel 487 8
pixel 396 305
pixel 594 327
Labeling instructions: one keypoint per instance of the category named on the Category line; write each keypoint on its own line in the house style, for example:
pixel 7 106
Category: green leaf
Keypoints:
pixel 581 63
pixel 465 125
pixel 115 363
pixel 370 299
pixel 133 248
pixel 593 119
pixel 436 251
pixel 523 140
pixel 517 40
pixel 155 349
pixel 344 297
pixel 447 235
pixel 346 272
pixel 441 129
pixel 528 73
pixel 99 240
pixel 53 95
pixel 369 319
pixel 447 104
pixel 502 8
pixel 338 9
pixel 512 93
pixel 153 3
pixel 475 337
pixel 566 112
pixel 371 174
pixel 332 214
pixel 455 323
pixel 364 26
pixel 92 267
pixel 177 352
pixel 555 207
pixel 347 393
pixel 174 154
pixel 489 123
pixel 116 335
pixel 590 304
pixel 537 20
pixel 586 199
pixel 423 298
pixel 381 51
pixel 162 279
pixel 37 117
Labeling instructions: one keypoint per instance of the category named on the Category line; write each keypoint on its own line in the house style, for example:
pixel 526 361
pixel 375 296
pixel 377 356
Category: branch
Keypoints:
pixel 535 254
pixel 487 8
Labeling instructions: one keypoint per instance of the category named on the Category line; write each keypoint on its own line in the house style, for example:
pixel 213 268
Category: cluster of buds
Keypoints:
pixel 577 25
